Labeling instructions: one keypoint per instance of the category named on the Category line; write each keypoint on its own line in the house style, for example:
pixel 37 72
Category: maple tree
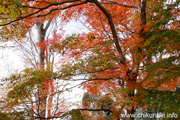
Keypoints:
pixel 131 52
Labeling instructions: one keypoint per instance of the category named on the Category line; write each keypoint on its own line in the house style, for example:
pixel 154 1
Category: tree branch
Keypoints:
pixel 95 79
pixel 86 109
pixel 129 6
pixel 63 8
pixel 61 76
pixel 41 9
pixel 115 37
pixel 133 2
pixel 141 34
pixel 48 24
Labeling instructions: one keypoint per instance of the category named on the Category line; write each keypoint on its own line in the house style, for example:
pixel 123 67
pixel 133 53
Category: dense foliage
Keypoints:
pixel 129 60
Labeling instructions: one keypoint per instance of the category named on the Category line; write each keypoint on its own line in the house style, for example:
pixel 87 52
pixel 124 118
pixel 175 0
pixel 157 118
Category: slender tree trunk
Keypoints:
pixel 43 88
pixel 42 95
pixel 49 106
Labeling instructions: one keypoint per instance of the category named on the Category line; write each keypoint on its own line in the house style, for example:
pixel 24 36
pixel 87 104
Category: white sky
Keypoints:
pixel 10 60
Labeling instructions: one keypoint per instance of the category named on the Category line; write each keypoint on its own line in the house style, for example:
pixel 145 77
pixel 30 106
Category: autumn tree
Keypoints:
pixel 131 52
pixel 44 101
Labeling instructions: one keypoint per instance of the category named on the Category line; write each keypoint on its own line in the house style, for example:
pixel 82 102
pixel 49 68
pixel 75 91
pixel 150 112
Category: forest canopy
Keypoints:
pixel 127 63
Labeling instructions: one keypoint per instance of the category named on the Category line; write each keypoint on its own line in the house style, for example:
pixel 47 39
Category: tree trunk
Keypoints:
pixel 42 95
pixel 43 87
